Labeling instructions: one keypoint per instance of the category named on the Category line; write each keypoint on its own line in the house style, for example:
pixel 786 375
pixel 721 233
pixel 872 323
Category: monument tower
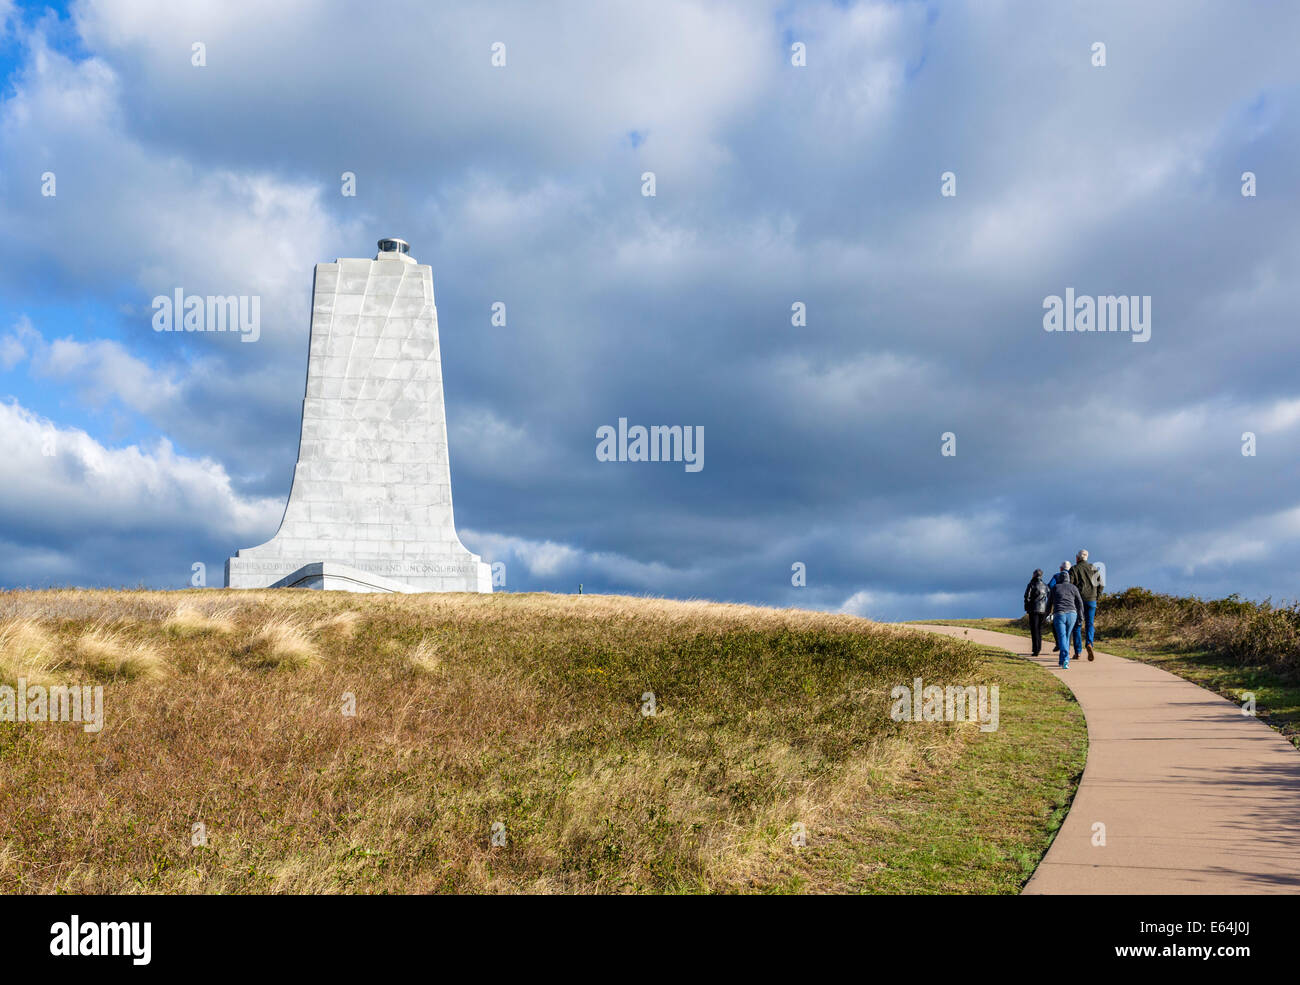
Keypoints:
pixel 370 505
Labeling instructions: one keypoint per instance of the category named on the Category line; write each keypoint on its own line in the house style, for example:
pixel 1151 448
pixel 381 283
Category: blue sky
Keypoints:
pixel 774 184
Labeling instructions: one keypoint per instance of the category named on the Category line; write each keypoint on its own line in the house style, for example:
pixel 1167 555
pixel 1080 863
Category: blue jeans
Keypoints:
pixel 1063 623
pixel 1089 615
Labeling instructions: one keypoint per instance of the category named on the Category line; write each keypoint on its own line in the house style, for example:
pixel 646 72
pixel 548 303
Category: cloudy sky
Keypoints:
pixel 128 455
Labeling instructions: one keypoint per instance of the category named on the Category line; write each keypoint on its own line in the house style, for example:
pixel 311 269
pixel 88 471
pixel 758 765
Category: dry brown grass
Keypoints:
pixel 283 642
pixel 343 624
pixel 227 709
pixel 102 652
pixel 26 651
pixel 188 620
pixel 424 656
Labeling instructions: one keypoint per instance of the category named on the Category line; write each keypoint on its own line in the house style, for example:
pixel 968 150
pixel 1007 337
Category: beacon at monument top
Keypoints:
pixel 392 248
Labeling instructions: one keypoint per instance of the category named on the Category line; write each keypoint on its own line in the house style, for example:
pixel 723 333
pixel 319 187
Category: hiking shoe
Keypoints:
pixel 1091 655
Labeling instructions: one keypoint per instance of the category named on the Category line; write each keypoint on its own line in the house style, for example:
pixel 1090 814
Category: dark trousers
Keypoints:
pixel 1036 630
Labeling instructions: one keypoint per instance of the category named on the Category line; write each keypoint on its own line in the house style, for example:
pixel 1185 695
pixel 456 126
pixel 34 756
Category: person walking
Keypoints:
pixel 1091 583
pixel 1057 578
pixel 1060 576
pixel 1066 604
pixel 1036 608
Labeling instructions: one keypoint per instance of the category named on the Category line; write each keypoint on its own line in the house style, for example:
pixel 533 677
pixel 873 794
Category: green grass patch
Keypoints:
pixel 982 825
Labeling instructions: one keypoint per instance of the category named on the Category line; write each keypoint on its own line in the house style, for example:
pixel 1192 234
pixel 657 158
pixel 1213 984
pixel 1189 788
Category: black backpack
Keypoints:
pixel 1037 595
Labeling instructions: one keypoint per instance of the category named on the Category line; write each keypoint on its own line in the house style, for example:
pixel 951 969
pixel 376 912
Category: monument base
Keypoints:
pixel 328 576
pixel 470 575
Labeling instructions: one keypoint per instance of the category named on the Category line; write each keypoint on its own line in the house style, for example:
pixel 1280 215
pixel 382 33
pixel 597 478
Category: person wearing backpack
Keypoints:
pixel 1091 583
pixel 1036 608
pixel 1060 576
pixel 1066 604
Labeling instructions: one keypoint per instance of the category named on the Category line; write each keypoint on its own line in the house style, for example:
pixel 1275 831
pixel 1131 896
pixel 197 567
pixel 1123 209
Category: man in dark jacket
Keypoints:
pixel 1087 578
pixel 1060 576
pixel 1036 608
pixel 1066 604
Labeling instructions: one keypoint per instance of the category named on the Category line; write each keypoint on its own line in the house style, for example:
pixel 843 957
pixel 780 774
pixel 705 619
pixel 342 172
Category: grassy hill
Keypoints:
pixel 521 714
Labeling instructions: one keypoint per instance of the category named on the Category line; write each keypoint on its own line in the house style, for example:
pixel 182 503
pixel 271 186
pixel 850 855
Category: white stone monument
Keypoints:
pixel 370 505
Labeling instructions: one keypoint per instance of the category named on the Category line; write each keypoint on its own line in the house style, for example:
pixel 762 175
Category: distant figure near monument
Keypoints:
pixel 370 505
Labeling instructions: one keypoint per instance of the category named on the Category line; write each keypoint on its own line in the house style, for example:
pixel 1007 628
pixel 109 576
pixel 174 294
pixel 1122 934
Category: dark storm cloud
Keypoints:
pixel 775 185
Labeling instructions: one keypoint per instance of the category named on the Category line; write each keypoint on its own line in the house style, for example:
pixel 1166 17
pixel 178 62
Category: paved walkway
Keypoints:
pixel 1195 796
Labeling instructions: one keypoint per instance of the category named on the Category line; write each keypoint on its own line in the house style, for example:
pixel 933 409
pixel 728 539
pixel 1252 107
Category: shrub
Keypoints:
pixel 1244 631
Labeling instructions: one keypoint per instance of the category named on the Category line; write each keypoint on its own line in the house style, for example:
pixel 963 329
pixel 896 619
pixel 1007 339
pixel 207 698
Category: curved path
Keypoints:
pixel 1195 797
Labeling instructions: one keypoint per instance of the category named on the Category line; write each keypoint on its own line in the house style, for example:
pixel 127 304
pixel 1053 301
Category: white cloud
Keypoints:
pixel 884 605
pixel 13 346
pixel 125 213
pixel 1271 537
pixel 1278 416
pixel 548 559
pixel 103 371
pixel 64 490
pixel 577 77
pixel 491 447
